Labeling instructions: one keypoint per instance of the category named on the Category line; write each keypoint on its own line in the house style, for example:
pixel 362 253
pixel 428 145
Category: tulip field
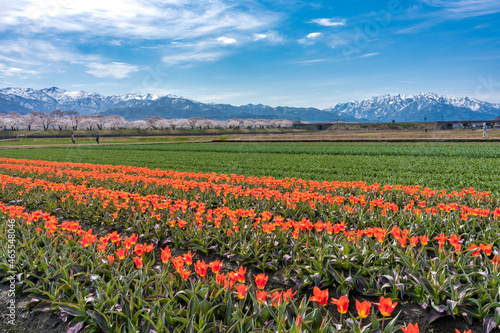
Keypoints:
pixel 146 246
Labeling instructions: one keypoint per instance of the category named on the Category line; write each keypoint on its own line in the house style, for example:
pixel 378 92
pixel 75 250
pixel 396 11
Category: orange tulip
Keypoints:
pixel 120 254
pixel 138 262
pixel 363 308
pixel 115 238
pixel 410 328
pixel 441 240
pixel 201 268
pixel 486 248
pixel 185 274
pixel 385 306
pixel 188 258
pixel 232 278
pixel 178 263
pixel 288 295
pixel 261 280
pixel 220 278
pixel 240 274
pixel 148 248
pixel 423 239
pixel 475 250
pixel 215 265
pixel 342 304
pixel 276 298
pixel 320 297
pixel 165 255
pixel 242 290
pixel 139 249
pixel 262 296
pixel 454 240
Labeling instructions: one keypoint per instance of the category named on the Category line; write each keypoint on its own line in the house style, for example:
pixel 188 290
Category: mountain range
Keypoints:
pixel 386 108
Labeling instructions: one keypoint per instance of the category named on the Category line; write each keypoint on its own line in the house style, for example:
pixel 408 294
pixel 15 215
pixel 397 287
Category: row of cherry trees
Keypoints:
pixel 72 120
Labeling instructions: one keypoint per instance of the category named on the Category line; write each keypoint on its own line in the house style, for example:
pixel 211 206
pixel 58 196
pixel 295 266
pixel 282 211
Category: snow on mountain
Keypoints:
pixel 421 107
pixel 50 99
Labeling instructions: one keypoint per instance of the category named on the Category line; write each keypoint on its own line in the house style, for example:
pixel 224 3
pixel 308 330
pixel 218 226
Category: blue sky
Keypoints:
pixel 276 52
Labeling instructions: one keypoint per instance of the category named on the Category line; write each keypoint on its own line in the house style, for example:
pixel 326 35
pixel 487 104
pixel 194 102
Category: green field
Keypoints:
pixel 438 165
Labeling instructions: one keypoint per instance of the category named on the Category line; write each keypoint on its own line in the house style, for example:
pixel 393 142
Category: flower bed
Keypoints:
pixel 331 241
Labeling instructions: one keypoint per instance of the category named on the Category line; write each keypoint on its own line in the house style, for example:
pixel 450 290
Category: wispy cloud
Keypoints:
pixel 329 22
pixel 6 71
pixel 310 61
pixel 223 96
pixel 184 31
pixel 117 70
pixel 452 9
pixel 29 57
pixel 134 18
pixel 369 55
pixel 434 12
pixel 271 37
pixel 191 57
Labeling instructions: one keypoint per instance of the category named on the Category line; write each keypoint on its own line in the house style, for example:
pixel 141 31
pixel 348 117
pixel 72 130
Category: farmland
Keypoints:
pixel 270 237
pixel 438 165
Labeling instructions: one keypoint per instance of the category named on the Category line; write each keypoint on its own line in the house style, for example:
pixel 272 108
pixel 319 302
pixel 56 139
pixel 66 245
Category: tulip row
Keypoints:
pixel 311 193
pixel 84 196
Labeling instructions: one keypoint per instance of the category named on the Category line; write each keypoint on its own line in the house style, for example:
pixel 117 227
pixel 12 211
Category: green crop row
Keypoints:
pixel 449 166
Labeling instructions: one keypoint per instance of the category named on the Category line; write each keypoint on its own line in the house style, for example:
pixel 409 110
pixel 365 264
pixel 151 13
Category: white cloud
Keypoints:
pixel 310 38
pixel 226 40
pixel 118 70
pixel 314 35
pixel 259 36
pixel 328 22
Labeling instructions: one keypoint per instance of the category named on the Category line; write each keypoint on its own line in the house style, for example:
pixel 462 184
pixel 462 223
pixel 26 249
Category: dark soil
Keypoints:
pixel 49 322
pixel 27 321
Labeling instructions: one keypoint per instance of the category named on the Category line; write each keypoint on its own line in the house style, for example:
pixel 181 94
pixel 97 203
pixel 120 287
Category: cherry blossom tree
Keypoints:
pixel 113 122
pixel 75 118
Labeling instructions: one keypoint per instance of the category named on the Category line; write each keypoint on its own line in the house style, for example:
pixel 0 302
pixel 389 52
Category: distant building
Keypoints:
pixel 448 125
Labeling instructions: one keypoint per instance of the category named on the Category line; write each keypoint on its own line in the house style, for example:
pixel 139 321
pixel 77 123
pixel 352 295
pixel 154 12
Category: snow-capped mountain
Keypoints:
pixel 50 99
pixel 421 107
pixel 134 107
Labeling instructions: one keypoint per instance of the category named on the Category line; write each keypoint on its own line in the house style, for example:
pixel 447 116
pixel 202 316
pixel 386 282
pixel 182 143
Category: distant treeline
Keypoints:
pixel 72 120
